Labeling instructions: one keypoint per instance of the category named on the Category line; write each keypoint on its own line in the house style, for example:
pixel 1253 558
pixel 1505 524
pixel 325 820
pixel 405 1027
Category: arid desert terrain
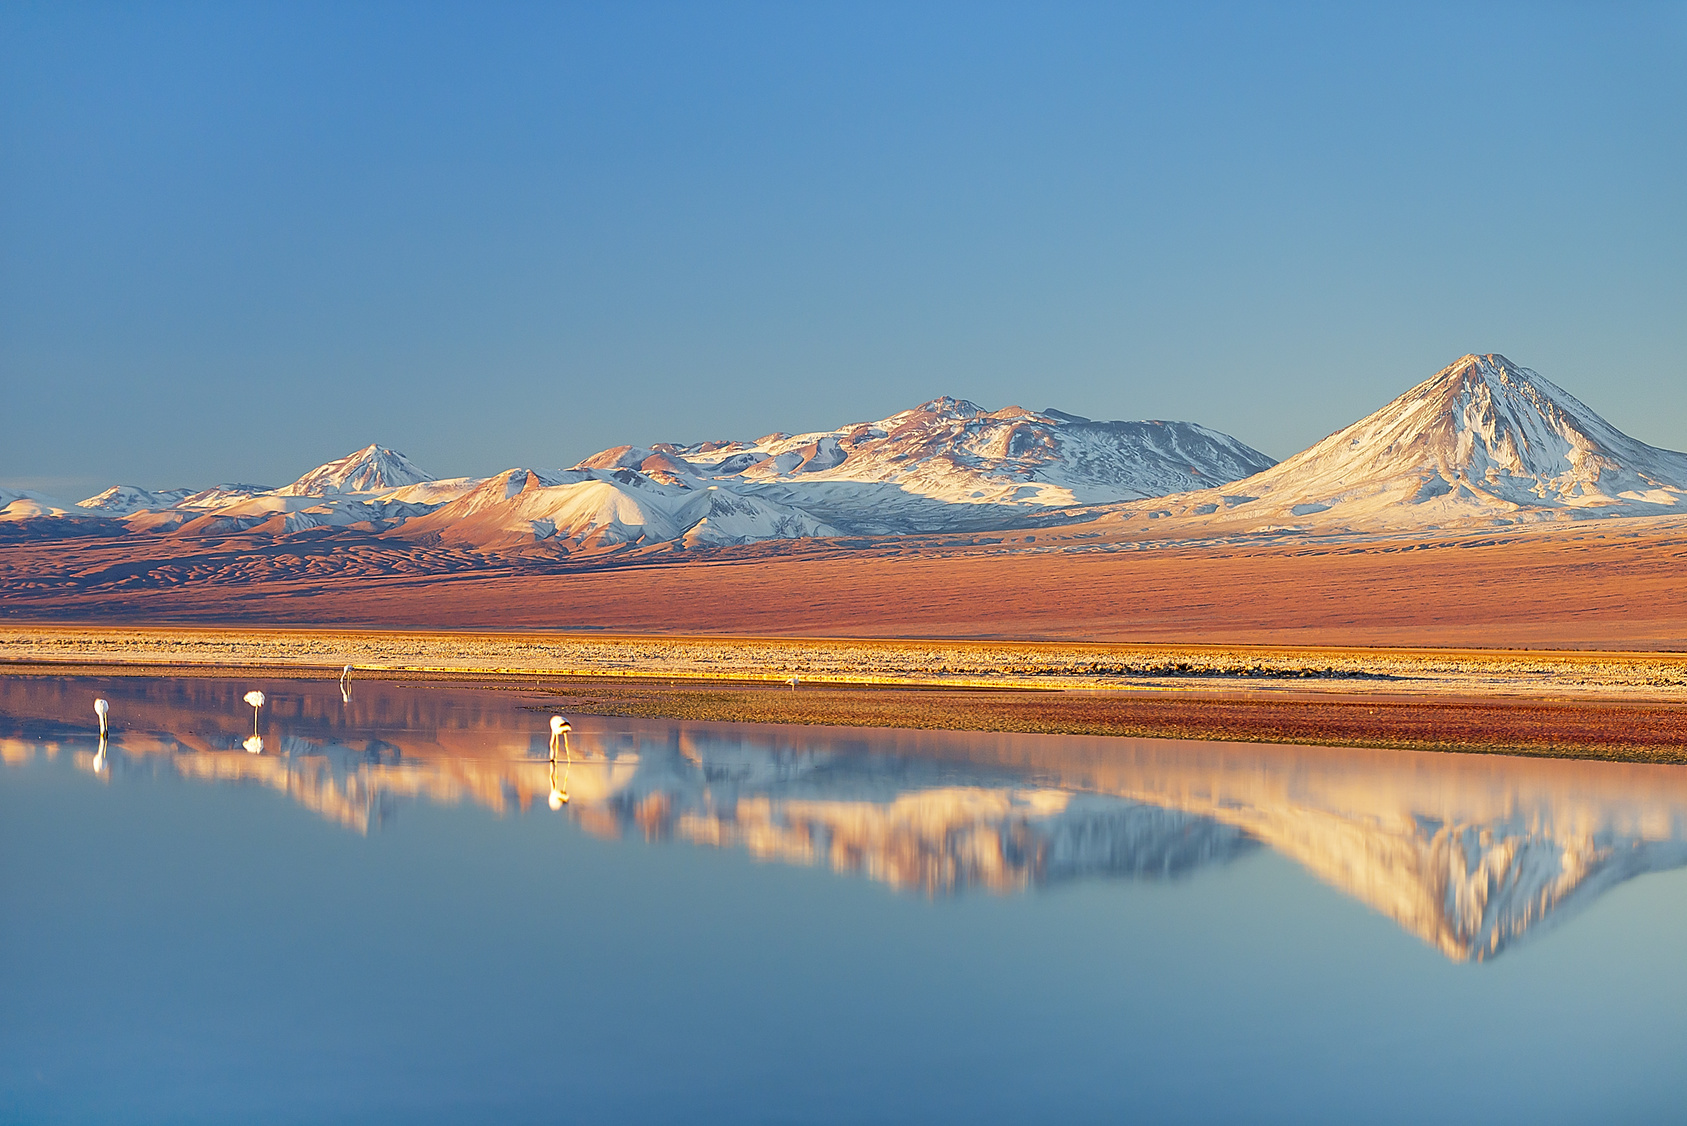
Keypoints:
pixel 1604 585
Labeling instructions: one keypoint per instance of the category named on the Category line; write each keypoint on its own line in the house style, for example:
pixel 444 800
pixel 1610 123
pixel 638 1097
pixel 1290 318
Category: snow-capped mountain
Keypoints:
pixel 950 449
pixel 220 496
pixel 948 463
pixel 371 469
pixel 1483 440
pixel 125 500
pixel 371 490
pixel 601 508
pixel 25 504
pixel 945 464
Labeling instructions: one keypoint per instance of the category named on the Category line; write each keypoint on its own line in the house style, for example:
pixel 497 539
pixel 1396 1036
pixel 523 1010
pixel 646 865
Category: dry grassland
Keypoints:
pixel 1660 677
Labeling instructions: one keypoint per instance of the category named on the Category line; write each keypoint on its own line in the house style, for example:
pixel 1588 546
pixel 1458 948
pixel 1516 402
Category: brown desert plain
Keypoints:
pixel 1560 640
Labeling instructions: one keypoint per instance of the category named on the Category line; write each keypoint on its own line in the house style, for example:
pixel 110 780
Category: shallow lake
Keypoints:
pixel 378 916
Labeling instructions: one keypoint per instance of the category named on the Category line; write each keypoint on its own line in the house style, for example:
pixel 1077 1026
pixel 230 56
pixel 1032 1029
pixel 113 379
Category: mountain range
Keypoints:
pixel 1483 442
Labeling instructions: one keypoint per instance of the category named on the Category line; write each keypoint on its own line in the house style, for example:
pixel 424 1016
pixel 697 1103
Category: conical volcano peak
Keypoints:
pixel 1474 368
pixel 368 470
pixel 1471 374
pixel 1483 438
pixel 1483 363
pixel 1507 408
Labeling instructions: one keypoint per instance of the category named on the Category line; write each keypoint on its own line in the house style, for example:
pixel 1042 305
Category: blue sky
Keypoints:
pixel 238 240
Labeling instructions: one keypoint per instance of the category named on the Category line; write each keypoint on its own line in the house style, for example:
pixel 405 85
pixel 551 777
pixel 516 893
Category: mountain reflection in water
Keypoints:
pixel 1470 853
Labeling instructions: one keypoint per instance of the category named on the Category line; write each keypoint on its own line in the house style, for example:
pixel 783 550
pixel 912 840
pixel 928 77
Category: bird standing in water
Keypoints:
pixel 256 699
pixel 100 709
pixel 559 731
pixel 255 743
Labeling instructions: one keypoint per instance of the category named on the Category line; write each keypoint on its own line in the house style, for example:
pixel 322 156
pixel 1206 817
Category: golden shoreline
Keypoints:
pixel 1604 705
pixel 854 661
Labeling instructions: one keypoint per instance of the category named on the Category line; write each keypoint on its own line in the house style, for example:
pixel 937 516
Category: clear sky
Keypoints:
pixel 237 240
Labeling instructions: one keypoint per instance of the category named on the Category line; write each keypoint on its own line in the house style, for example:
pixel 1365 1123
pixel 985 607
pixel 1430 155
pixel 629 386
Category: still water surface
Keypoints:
pixel 380 918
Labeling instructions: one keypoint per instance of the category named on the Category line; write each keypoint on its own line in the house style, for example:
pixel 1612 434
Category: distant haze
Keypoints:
pixel 237 241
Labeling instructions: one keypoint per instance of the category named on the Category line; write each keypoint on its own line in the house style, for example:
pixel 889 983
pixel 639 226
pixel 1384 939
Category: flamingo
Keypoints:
pixel 256 699
pixel 100 709
pixel 345 692
pixel 560 728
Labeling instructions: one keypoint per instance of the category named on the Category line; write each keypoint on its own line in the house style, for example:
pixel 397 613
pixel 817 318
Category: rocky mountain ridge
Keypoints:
pixel 943 465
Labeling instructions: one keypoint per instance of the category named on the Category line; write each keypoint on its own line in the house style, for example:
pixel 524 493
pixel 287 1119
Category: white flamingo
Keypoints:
pixel 560 728
pixel 345 690
pixel 254 743
pixel 101 708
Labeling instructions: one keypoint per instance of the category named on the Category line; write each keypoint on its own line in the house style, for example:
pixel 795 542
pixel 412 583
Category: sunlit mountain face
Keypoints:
pixel 1483 443
pixel 1470 853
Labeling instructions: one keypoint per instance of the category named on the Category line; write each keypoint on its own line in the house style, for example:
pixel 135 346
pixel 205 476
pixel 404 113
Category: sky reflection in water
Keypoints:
pixel 1079 928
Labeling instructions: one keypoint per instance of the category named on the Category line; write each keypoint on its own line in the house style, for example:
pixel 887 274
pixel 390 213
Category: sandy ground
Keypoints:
pixel 1604 585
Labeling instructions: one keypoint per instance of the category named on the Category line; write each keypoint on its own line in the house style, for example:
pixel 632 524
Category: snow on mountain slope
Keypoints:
pixel 217 496
pixel 371 469
pixel 277 513
pixel 125 500
pixel 948 464
pixel 718 516
pixel 371 489
pixel 430 492
pixel 23 504
pixel 951 449
pixel 603 508
pixel 1482 440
